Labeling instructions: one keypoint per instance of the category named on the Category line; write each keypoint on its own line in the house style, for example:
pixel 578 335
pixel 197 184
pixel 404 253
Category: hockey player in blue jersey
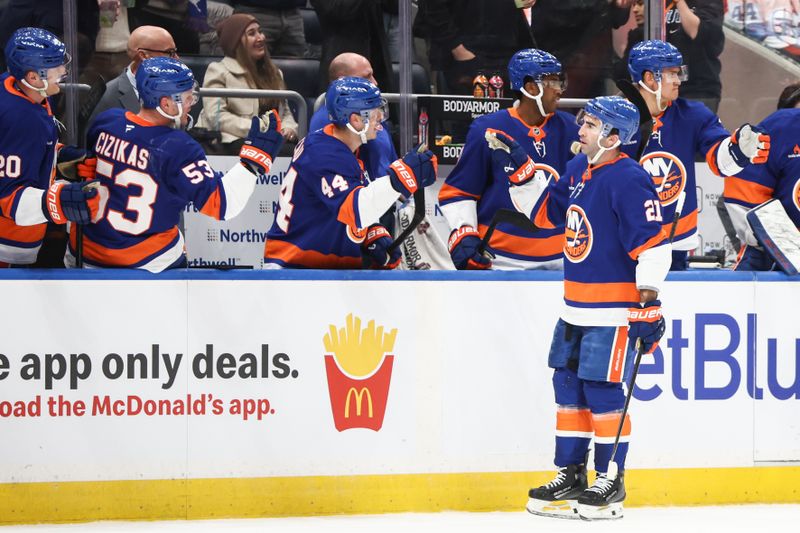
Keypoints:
pixel 477 187
pixel 681 129
pixel 328 214
pixel 778 178
pixel 29 195
pixel 616 257
pixel 150 169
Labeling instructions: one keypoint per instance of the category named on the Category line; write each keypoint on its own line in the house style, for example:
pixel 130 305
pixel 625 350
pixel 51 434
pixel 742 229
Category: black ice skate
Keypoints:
pixel 558 498
pixel 603 500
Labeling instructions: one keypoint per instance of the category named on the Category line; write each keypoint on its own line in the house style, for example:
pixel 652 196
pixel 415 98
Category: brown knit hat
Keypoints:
pixel 230 31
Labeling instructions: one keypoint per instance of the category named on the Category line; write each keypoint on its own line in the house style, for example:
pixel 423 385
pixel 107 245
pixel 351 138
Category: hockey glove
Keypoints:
pixel 463 245
pixel 512 158
pixel 75 202
pixel 262 144
pixel 646 324
pixel 74 165
pixel 749 145
pixel 375 249
pixel 416 169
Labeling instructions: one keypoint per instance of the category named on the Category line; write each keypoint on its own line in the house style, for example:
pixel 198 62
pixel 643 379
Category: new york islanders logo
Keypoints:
pixel 796 194
pixel 578 235
pixel 668 173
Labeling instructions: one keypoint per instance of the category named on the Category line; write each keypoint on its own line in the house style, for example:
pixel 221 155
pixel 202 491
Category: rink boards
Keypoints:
pixel 206 394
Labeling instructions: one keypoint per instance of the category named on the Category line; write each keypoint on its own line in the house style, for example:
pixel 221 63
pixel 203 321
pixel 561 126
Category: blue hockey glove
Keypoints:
pixel 74 202
pixel 506 152
pixel 646 324
pixel 749 145
pixel 375 249
pixel 262 143
pixel 463 246
pixel 754 259
pixel 416 169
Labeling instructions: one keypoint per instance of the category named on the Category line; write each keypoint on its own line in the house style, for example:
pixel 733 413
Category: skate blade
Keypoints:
pixel 565 509
pixel 612 511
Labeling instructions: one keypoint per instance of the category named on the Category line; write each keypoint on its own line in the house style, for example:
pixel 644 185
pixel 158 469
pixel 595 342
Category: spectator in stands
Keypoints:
pixel 635 35
pixel 695 28
pixel 378 153
pixel 111 49
pixel 281 23
pixel 183 19
pixel 246 65
pixel 144 42
pixel 578 33
pixel 354 26
pixel 209 41
pixel 469 36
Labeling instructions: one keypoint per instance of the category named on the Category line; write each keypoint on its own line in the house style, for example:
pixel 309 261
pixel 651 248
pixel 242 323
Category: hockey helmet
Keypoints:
pixel 616 113
pixel 532 63
pixel 157 77
pixel 34 49
pixel 349 95
pixel 653 55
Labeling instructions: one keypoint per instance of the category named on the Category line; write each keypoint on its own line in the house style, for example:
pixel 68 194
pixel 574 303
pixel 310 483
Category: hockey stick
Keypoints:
pixel 506 215
pixel 630 92
pixel 419 212
pixel 613 467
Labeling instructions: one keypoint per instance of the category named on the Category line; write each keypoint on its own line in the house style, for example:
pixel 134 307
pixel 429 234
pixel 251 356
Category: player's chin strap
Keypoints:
pixel 537 98
pixel 656 93
pixel 602 149
pixel 176 119
pixel 41 90
pixel 361 134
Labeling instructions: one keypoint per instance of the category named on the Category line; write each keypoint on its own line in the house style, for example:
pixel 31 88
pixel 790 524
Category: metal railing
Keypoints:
pixel 293 96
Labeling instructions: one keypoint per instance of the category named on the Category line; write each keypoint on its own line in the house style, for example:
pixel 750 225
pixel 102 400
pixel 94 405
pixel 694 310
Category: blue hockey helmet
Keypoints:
pixel 532 63
pixel 34 49
pixel 157 77
pixel 349 95
pixel 616 113
pixel 654 56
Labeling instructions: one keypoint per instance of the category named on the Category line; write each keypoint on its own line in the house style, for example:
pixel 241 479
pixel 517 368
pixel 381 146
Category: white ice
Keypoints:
pixel 727 519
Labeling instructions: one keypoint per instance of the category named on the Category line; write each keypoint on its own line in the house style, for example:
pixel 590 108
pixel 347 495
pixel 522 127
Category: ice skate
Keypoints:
pixel 603 500
pixel 558 497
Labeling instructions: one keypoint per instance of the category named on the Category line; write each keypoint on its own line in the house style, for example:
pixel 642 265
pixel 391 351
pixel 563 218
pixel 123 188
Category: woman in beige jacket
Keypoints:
pixel 246 65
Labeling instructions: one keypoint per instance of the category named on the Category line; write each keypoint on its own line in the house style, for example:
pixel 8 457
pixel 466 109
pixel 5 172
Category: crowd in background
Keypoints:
pixel 455 41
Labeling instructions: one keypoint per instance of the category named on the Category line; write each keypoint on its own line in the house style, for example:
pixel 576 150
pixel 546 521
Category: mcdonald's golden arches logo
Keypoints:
pixel 358 364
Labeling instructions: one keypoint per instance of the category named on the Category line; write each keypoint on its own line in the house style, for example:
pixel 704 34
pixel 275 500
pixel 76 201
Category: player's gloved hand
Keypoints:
pixel 463 247
pixel 73 164
pixel 262 144
pixel 507 153
pixel 375 249
pixel 749 145
pixel 75 202
pixel 416 169
pixel 646 324
pixel 754 259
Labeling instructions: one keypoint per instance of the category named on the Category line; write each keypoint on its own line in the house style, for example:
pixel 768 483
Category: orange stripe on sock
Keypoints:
pixel 606 424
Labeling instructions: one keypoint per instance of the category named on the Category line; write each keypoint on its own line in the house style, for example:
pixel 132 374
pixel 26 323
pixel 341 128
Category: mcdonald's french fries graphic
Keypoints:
pixel 358 364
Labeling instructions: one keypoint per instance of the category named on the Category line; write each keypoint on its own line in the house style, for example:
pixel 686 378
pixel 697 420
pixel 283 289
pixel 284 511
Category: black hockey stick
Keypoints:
pixel 613 467
pixel 419 211
pixel 506 215
pixel 630 92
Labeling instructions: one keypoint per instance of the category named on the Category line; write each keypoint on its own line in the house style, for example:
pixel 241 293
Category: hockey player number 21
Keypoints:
pixel 142 204
pixel 285 206
pixel 652 210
